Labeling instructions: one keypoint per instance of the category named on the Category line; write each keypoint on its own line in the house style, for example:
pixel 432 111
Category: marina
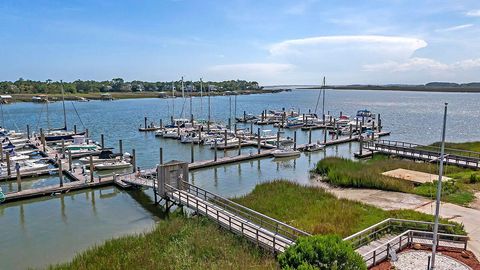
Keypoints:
pixel 205 172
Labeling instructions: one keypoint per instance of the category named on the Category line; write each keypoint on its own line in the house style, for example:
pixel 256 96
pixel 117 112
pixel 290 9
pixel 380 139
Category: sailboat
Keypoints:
pixel 58 134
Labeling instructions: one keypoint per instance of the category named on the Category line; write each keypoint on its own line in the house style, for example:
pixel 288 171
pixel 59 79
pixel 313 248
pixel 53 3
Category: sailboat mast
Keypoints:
pixel 323 102
pixel 209 117
pixel 173 100
pixel 201 98
pixel 183 97
pixel 439 190
pixel 63 104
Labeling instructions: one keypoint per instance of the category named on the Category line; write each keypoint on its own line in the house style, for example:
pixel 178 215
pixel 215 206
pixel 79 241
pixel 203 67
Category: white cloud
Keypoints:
pixel 299 7
pixel 376 42
pixel 454 28
pixel 423 64
pixel 412 64
pixel 473 13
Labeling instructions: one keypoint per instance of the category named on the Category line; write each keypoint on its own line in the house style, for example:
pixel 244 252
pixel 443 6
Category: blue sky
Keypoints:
pixel 273 42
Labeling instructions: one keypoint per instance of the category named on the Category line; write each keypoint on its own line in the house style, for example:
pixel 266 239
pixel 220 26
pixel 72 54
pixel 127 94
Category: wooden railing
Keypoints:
pixel 432 153
pixel 392 225
pixel 269 233
pixel 409 237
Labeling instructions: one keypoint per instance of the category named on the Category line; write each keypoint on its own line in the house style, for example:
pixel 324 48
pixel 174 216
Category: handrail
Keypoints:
pixel 427 146
pixel 274 240
pixel 248 210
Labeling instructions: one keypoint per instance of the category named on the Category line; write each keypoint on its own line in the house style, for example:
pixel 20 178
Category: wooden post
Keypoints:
pixel 191 118
pixel 9 170
pixel 134 161
pixel 199 134
pixel 215 153
pixel 361 144
pixel 145 122
pixel 19 177
pixel 161 155
pixel 258 141
pixel 91 168
pixel 278 139
pixel 263 116
pixel 350 132
pixel 230 123
pixel 28 132
pixel 244 116
pixel 161 123
pixel 120 146
pixel 310 136
pixel 379 123
pixel 323 119
pixel 225 139
pixel 295 140
pixel 63 148
pixel 356 124
pixel 69 161
pixel 239 146
pixel 102 139
pixel 42 140
pixel 235 129
pixel 60 172
pixel 75 129
pixel 251 128
pixel 336 128
pixel 192 157
pixel 87 134
pixel 324 134
pixel 1 154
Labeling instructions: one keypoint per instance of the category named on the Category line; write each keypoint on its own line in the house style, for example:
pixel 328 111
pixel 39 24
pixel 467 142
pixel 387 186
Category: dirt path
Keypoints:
pixel 388 200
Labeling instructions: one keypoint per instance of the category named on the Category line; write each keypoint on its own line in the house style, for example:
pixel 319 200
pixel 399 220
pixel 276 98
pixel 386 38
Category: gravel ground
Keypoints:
pixel 413 260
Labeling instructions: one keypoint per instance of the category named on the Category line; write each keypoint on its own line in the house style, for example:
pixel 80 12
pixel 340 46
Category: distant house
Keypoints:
pixel 190 88
pixel 6 99
pixel 106 96
pixel 40 99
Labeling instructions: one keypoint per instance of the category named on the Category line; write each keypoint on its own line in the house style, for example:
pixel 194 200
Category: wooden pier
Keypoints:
pixel 461 158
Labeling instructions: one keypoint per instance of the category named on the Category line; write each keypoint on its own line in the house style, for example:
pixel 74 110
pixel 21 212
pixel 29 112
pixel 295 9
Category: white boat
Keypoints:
pixel 285 153
pixel 25 166
pixel 113 165
pixel 173 134
pixel 19 158
pixel 313 147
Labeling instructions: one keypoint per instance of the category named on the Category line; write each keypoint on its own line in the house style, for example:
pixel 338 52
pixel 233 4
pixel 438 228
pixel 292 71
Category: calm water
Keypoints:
pixel 52 229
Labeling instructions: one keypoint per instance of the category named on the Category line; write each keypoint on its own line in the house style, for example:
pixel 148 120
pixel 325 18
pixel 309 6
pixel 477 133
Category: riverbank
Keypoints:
pixel 406 88
pixel 134 95
pixel 340 172
pixel 177 242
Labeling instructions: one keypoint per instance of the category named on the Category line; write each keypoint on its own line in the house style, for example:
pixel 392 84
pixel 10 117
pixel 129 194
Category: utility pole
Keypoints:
pixel 439 191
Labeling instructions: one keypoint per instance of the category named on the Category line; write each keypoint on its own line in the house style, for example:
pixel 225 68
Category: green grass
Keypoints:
pixel 368 174
pixel 317 211
pixel 176 243
pixel 468 146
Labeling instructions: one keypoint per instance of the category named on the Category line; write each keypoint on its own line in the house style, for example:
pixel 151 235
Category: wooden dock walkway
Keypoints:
pixel 262 230
pixel 461 158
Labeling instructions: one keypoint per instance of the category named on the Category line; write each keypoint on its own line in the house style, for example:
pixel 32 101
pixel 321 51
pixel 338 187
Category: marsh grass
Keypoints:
pixel 317 211
pixel 176 243
pixel 368 174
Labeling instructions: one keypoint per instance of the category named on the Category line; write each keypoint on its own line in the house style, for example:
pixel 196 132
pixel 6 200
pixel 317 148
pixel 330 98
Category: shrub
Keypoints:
pixel 323 252
pixel 474 178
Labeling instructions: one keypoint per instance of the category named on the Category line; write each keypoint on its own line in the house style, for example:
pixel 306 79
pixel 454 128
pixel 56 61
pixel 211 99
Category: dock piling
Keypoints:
pixel 120 146
pixel 134 161
pixel 9 170
pixel 102 140
pixel 310 136
pixel 350 132
pixel 161 123
pixel 324 134
pixel 42 140
pixel 225 139
pixel 19 177
pixel 91 168
pixel 215 153
pixel 69 161
pixel 87 134
pixel 379 123
pixel 145 122
pixel 75 129
pixel 258 140
pixel 295 140
pixel 28 132
pixel 278 139
pixel 192 158
pixel 161 155
pixel 1 154
pixel 239 146
pixel 63 148
pixel 60 172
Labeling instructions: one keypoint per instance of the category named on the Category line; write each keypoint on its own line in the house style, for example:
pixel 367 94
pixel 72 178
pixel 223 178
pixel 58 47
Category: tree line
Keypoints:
pixel 22 86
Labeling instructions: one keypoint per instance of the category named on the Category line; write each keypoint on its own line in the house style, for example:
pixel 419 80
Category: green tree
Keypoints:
pixel 323 252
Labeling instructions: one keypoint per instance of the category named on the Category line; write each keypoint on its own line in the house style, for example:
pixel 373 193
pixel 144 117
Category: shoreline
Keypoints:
pixel 400 88
pixel 136 95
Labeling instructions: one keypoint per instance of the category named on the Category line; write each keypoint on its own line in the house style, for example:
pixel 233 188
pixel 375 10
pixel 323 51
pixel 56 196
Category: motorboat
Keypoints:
pixel 171 133
pixel 313 147
pixel 25 166
pixel 81 147
pixel 285 153
pixel 105 156
pixel 115 165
